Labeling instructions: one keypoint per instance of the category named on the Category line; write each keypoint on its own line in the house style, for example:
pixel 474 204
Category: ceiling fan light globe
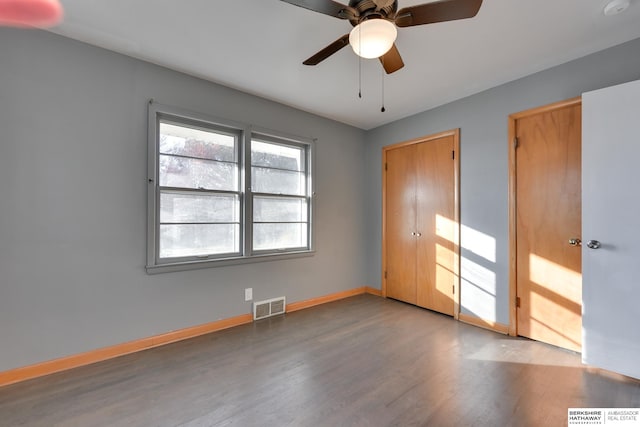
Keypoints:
pixel 373 38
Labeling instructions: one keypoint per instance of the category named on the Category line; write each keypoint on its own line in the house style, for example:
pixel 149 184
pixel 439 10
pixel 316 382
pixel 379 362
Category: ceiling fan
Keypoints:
pixel 375 22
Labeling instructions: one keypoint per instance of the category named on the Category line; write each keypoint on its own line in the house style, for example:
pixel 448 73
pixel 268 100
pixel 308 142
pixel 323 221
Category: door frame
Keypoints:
pixel 513 118
pixel 455 133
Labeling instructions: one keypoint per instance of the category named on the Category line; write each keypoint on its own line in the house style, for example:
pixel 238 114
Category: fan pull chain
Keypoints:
pixel 360 77
pixel 360 63
pixel 382 109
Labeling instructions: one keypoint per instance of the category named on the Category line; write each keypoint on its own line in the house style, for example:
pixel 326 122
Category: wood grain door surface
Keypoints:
pixel 435 225
pixel 548 215
pixel 420 224
pixel 401 223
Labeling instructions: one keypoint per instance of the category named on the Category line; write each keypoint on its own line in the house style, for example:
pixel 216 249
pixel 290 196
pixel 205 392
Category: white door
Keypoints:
pixel 611 220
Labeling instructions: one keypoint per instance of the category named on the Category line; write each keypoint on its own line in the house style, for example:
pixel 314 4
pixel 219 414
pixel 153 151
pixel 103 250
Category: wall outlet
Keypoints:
pixel 248 294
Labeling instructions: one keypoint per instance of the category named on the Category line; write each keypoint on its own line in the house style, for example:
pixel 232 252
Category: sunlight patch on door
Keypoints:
pixel 551 275
pixel 446 228
pixel 445 276
pixel 553 335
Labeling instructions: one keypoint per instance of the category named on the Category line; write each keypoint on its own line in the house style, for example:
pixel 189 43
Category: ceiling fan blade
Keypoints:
pixel 439 11
pixel 328 51
pixel 326 7
pixel 392 61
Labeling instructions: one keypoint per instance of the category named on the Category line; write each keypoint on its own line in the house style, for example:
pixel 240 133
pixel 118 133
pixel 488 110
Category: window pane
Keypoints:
pixel 198 207
pixel 187 141
pixel 277 181
pixel 277 156
pixel 197 240
pixel 194 173
pixel 279 236
pixel 273 209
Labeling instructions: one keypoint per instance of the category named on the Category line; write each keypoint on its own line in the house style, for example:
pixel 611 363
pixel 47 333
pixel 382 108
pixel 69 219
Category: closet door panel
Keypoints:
pixel 401 223
pixel 436 225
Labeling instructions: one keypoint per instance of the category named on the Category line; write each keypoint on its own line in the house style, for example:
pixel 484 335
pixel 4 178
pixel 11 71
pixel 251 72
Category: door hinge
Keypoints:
pixel 516 142
pixel 517 302
pixel 453 154
pixel 385 274
pixel 453 289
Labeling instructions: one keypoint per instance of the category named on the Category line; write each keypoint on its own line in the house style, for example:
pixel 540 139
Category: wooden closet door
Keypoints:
pixel 548 216
pixel 436 225
pixel 400 224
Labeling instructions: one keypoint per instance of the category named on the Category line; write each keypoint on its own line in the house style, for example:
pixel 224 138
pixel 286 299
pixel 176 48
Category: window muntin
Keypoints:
pixel 177 171
pixel 178 139
pixel 280 195
pixel 271 208
pixel 198 207
pixel 221 195
pixel 198 240
pixel 191 157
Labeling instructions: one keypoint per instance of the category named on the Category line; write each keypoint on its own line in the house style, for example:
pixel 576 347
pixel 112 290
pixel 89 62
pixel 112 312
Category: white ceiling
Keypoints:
pixel 258 46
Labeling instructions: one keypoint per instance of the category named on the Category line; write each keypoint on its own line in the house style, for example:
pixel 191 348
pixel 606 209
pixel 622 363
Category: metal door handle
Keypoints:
pixel 418 234
pixel 413 233
pixel 593 244
pixel 575 242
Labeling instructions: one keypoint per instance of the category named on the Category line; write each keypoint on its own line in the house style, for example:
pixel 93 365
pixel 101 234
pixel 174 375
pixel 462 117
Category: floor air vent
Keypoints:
pixel 268 308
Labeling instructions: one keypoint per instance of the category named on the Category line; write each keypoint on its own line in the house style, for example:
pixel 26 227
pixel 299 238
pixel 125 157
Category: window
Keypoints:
pixel 280 195
pixel 199 189
pixel 219 194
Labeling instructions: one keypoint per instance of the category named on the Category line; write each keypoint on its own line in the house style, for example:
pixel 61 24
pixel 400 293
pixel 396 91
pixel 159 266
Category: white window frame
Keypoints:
pixel 245 132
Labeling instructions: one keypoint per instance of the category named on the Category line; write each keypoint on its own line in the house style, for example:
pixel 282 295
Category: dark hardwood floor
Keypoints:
pixel 362 361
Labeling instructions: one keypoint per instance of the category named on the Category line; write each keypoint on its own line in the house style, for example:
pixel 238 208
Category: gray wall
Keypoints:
pixel 484 167
pixel 73 203
pixel 73 195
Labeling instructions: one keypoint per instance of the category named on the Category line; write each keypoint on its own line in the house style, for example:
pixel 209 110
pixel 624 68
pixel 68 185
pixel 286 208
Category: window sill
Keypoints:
pixel 224 262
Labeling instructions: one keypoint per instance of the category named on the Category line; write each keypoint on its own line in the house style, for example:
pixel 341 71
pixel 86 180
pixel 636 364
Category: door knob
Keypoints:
pixel 575 242
pixel 593 244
